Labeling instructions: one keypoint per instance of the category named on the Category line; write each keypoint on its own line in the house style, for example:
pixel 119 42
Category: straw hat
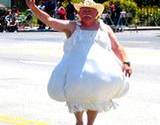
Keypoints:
pixel 90 3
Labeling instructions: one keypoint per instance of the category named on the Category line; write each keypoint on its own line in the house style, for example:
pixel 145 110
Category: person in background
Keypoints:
pixel 41 6
pixel 3 23
pixel 60 11
pixel 112 9
pixel 70 11
pixel 94 66
pixel 118 10
pixel 11 20
pixel 50 7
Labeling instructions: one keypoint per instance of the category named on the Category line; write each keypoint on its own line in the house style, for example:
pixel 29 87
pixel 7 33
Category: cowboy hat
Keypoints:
pixel 90 3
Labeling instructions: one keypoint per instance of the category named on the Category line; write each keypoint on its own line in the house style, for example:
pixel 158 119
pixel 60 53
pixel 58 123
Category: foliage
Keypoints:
pixel 26 18
pixel 149 16
pixel 76 1
pixel 142 3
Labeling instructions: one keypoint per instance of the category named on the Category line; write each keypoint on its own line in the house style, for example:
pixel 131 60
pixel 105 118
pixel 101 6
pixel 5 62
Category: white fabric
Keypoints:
pixel 89 75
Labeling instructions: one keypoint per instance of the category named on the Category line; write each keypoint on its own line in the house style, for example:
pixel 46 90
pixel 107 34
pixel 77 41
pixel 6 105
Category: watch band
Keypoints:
pixel 127 63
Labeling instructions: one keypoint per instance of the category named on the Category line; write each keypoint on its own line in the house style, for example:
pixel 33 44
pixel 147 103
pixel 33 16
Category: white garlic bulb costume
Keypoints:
pixel 89 75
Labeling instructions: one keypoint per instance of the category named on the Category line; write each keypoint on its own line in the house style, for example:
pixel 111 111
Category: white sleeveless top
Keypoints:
pixel 89 75
pixel 79 34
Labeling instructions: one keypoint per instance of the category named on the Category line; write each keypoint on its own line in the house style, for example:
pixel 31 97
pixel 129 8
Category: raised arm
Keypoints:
pixel 57 24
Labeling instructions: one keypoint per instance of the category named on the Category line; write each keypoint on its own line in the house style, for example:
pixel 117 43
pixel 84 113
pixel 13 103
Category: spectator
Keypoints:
pixel 70 11
pixel 11 21
pixel 61 12
pixel 118 10
pixel 112 11
pixel 50 7
pixel 2 20
pixel 41 6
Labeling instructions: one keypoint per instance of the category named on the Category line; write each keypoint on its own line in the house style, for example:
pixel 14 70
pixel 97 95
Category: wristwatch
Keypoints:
pixel 127 63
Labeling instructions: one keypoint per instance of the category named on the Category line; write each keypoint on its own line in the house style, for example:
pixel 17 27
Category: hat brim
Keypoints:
pixel 97 6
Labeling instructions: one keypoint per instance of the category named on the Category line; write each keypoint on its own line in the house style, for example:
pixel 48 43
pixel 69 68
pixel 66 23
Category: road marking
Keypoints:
pixel 19 121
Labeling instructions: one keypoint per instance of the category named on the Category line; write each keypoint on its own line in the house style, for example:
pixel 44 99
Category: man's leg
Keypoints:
pixel 91 116
pixel 79 118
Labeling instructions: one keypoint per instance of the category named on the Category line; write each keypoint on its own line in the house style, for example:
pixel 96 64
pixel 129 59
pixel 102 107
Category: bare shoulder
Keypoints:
pixel 112 36
pixel 70 28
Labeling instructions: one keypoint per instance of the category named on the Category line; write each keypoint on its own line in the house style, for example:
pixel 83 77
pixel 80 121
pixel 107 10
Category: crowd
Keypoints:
pixel 9 20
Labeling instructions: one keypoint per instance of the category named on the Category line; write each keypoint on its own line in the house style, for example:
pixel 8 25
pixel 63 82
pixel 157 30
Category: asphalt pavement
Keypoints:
pixel 27 60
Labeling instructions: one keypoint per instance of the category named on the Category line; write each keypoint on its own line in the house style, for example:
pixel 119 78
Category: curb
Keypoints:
pixel 141 28
pixel 35 30
pixel 120 29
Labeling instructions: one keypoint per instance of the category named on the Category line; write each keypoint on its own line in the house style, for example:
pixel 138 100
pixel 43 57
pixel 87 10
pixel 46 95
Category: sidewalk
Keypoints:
pixel 35 29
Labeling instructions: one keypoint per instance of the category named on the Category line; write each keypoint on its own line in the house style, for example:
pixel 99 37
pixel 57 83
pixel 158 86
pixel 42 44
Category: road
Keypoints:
pixel 28 59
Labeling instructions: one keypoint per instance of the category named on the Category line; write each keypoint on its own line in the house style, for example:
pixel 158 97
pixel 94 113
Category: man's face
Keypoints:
pixel 87 13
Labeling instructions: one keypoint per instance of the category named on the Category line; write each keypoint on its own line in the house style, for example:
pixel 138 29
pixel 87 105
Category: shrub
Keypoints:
pixel 149 16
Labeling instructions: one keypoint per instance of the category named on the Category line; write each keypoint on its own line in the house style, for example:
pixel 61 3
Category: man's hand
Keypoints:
pixel 127 70
pixel 30 3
